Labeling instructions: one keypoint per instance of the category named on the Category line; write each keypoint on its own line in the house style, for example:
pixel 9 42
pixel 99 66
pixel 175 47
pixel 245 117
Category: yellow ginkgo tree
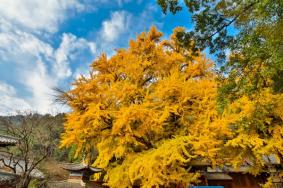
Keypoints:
pixel 148 110
pixel 253 109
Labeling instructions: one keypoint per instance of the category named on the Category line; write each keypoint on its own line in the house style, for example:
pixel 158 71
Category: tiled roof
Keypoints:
pixel 217 176
pixel 74 166
pixel 7 178
pixel 65 184
pixel 79 166
pixel 8 140
pixel 246 165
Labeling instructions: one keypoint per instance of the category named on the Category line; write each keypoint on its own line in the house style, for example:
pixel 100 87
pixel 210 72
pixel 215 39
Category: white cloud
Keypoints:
pixel 20 43
pixel 9 98
pixel 40 84
pixel 67 52
pixel 36 66
pixel 43 15
pixel 39 66
pixel 115 26
pixel 21 52
pixel 25 54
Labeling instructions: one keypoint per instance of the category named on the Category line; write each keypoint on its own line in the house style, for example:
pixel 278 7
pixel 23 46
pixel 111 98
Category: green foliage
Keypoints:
pixel 171 5
pixel 257 33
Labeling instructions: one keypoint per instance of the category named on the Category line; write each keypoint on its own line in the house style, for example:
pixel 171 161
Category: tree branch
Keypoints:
pixel 143 141
pixel 231 21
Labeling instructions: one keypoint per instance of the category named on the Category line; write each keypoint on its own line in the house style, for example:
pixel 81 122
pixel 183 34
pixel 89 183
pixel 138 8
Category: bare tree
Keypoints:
pixel 35 144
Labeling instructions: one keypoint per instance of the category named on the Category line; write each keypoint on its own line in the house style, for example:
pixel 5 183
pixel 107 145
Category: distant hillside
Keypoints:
pixel 57 121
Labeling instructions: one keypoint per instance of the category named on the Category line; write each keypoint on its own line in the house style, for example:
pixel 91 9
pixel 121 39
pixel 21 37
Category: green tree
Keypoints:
pixel 256 43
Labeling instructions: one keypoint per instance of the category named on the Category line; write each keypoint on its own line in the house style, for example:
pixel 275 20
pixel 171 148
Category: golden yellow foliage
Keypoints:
pixel 148 110
pixel 257 126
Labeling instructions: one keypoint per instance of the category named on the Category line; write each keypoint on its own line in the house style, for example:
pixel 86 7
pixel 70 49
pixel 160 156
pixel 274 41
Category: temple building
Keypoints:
pixel 8 178
pixel 80 173
pixel 7 141
pixel 229 177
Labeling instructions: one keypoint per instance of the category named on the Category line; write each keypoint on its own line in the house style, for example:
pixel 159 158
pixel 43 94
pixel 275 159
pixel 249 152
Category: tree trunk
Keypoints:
pixel 24 182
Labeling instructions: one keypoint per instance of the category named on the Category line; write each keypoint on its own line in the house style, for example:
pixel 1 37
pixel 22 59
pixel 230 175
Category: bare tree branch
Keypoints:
pixel 35 144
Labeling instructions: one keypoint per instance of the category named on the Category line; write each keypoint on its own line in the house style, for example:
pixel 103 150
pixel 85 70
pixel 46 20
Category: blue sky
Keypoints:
pixel 47 44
